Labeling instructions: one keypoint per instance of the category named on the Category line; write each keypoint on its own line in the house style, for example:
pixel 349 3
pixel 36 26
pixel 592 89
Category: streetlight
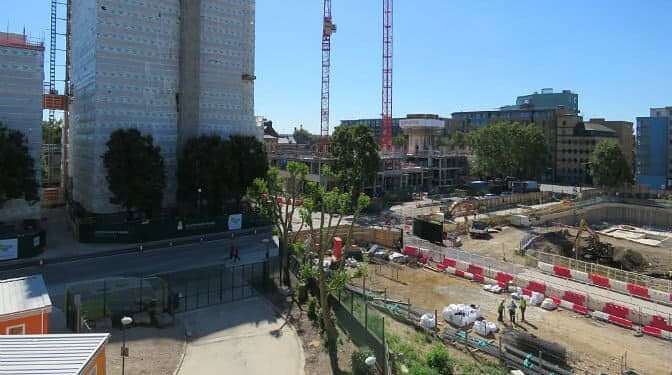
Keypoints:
pixel 125 321
pixel 199 190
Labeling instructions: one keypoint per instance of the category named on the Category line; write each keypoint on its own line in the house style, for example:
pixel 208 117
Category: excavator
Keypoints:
pixel 595 249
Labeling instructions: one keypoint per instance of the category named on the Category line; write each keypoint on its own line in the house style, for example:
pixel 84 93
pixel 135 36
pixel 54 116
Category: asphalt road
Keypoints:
pixel 176 258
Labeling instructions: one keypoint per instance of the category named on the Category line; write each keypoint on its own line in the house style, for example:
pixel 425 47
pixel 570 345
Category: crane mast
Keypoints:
pixel 328 28
pixel 386 138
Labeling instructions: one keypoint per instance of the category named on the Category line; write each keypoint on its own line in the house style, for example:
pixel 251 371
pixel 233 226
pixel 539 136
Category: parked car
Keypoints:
pixel 398 257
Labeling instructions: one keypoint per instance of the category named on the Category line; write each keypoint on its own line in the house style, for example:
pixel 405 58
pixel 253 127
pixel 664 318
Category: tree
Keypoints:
pixel 17 168
pixel 304 137
pixel 222 170
pixel 330 206
pixel 509 149
pixel 136 175
pixel 52 132
pixel 458 140
pixel 278 198
pixel 250 156
pixel 608 165
pixel 400 140
pixel 357 160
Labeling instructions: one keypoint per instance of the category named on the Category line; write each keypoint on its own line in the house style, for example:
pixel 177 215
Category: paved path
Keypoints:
pixel 245 337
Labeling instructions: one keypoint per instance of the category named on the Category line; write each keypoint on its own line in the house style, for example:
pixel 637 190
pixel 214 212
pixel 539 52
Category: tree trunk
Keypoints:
pixel 284 256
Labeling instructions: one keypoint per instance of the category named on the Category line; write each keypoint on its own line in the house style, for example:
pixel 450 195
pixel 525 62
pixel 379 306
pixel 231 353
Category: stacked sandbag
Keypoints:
pixel 428 321
pixel 461 315
pixel 549 304
pixel 485 328
pixel 536 298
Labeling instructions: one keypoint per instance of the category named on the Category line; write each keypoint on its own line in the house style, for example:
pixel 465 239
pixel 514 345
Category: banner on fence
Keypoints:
pixel 9 249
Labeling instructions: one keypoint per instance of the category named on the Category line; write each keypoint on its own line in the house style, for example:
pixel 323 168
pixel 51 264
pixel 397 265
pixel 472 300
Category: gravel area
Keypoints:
pixel 152 351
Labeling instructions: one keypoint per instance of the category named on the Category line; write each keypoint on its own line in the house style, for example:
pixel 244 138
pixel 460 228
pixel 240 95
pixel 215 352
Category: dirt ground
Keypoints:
pixel 594 347
pixel 317 359
pixel 501 245
pixel 152 351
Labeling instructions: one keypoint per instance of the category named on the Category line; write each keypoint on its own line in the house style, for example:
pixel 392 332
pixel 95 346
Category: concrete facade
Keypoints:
pixel 172 69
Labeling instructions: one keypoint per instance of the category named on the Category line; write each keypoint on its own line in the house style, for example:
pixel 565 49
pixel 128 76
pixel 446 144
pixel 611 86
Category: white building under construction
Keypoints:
pixel 170 68
pixel 21 88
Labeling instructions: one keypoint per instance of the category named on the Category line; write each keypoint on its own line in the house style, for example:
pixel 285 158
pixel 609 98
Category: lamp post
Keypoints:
pixel 125 321
pixel 199 190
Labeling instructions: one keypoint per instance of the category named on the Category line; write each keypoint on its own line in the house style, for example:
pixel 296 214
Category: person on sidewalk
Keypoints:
pixel 523 306
pixel 500 311
pixel 231 252
pixel 236 254
pixel 512 313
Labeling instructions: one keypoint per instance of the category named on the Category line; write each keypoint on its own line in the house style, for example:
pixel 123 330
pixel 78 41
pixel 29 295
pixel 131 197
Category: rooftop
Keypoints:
pixel 48 354
pixel 19 41
pixel 591 126
pixel 23 294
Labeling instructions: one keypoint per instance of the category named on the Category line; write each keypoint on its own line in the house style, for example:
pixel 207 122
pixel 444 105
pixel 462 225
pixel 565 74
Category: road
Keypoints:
pixel 176 258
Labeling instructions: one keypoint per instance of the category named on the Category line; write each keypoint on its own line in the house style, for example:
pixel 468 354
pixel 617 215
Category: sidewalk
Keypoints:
pixel 245 337
pixel 61 246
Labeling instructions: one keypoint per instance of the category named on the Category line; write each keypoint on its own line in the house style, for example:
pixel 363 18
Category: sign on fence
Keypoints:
pixel 9 249
pixel 235 221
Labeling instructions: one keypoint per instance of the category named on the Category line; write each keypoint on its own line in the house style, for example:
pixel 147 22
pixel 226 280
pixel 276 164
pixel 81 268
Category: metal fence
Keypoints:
pixel 610 272
pixel 98 302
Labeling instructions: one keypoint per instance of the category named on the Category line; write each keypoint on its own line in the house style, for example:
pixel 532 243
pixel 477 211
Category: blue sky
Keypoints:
pixel 450 55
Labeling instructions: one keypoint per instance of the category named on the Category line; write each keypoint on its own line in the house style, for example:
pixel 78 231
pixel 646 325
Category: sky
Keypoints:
pixel 449 55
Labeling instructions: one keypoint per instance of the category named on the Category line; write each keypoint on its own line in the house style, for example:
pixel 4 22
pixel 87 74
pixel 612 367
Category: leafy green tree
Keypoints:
pixel 458 140
pixel 304 137
pixel 250 156
pixel 17 168
pixel 136 175
pixel 357 160
pixel 509 149
pixel 400 140
pixel 52 132
pixel 608 165
pixel 278 197
pixel 331 206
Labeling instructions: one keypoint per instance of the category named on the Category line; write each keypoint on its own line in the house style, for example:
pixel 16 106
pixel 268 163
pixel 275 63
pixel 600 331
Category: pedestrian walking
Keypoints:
pixel 500 311
pixel 523 306
pixel 231 252
pixel 237 254
pixel 512 313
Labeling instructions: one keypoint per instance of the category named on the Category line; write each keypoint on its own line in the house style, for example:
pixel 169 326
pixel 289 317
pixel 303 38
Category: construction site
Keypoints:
pixel 595 273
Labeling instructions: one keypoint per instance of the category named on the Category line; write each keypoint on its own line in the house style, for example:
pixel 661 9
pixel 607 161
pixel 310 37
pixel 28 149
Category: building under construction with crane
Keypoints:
pixel 169 68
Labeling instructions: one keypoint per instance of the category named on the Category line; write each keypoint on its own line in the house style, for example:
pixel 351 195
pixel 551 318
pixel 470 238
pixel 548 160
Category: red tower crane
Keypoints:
pixel 386 139
pixel 328 28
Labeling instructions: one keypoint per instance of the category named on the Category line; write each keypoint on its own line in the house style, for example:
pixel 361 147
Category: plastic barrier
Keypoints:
pixel 638 290
pixel 464 266
pixel 660 323
pixel 600 280
pixel 575 297
pixel 619 286
pixel 562 272
pixel 537 286
pixel 659 296
pixel 625 323
pixel 555 299
pixel 503 277
pixel 653 331
pixel 475 269
pixel 580 276
pixel 616 310
pixel 411 251
pixel 545 267
pixel 478 277
pixel 449 262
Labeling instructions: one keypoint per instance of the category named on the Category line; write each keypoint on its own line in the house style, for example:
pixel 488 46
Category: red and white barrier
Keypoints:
pixel 574 307
pixel 625 323
pixel 631 289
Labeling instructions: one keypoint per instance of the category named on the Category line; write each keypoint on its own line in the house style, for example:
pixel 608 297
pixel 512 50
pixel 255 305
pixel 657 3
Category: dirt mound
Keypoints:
pixel 630 260
pixel 555 242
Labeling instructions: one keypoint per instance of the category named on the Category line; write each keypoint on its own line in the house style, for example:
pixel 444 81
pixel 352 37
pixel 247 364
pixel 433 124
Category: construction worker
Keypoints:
pixel 500 311
pixel 512 313
pixel 523 306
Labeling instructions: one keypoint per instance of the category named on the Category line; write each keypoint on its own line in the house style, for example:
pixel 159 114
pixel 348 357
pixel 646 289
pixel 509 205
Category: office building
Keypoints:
pixel 375 125
pixel 169 68
pixel 548 99
pixel 653 150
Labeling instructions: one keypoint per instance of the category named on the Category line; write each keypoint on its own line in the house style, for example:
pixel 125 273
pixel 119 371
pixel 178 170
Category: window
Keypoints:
pixel 17 330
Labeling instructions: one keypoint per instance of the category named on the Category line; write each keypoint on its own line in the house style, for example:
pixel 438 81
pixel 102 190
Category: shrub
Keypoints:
pixel 357 361
pixel 420 369
pixel 312 309
pixel 439 359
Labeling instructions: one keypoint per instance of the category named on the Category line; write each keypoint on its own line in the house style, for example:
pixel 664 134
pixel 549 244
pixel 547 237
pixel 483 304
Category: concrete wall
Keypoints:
pixel 615 213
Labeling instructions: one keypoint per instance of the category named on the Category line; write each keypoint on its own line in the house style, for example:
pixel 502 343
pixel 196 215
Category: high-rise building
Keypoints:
pixel 173 69
pixel 653 150
pixel 21 89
